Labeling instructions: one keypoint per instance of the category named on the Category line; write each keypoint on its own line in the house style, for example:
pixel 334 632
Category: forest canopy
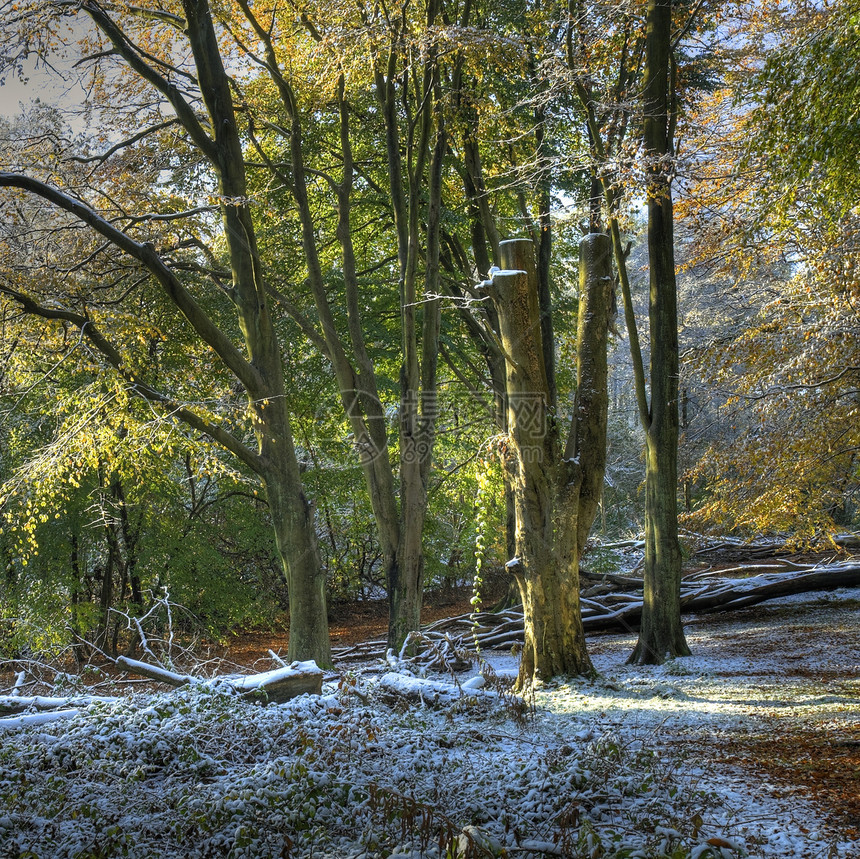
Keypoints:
pixel 252 356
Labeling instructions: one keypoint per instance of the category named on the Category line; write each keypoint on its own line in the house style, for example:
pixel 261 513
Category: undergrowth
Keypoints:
pixel 199 773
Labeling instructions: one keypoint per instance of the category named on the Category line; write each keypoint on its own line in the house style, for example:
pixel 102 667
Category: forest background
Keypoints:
pixel 377 155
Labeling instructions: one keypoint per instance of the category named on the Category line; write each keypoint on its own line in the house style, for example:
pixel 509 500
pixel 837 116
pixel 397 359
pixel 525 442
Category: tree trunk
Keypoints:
pixel 586 442
pixel 292 514
pixel 661 634
pixel 419 332
pixel 406 573
pixel 548 486
pixel 296 540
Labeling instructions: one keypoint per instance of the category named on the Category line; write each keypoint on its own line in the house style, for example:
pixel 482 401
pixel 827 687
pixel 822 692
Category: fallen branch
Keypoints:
pixel 273 686
pixel 10 704
pixel 431 692
pixel 153 672
pixel 34 719
pixel 623 611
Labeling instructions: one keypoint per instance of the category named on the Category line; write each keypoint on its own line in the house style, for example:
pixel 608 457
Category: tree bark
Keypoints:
pixel 661 635
pixel 552 510
pixel 277 686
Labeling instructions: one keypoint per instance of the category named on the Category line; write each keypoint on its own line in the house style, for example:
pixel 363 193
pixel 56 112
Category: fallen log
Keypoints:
pixel 735 594
pixel 282 684
pixel 847 541
pixel 829 579
pixel 34 719
pixel 616 579
pixel 276 686
pixel 431 692
pixel 11 704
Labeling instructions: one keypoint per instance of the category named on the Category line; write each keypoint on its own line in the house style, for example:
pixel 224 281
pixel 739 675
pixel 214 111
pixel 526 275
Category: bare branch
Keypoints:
pixel 123 143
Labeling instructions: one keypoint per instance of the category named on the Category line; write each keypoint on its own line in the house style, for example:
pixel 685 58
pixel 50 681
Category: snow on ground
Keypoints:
pixel 625 766
pixel 743 681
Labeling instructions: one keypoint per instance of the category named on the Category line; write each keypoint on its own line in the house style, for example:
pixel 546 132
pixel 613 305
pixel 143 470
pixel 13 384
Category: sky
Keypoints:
pixel 41 85
pixel 46 85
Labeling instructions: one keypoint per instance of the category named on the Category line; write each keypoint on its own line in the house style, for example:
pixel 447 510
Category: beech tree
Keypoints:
pixel 556 485
pixel 661 632
pixel 413 139
pixel 203 109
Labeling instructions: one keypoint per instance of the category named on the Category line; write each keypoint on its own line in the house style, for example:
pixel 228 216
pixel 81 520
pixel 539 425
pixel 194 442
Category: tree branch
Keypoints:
pixel 213 336
pixel 90 330
pixel 129 53
pixel 124 143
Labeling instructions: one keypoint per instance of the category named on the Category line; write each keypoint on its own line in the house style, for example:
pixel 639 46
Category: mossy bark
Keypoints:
pixel 661 634
pixel 553 485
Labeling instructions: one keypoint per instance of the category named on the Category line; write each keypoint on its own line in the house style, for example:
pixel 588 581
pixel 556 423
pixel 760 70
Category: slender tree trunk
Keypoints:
pixel 406 574
pixel 292 514
pixel 419 332
pixel 82 652
pixel 105 599
pixel 586 443
pixel 129 540
pixel 661 634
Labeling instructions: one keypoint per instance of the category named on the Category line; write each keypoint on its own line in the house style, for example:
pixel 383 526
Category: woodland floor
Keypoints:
pixel 760 726
pixel 790 680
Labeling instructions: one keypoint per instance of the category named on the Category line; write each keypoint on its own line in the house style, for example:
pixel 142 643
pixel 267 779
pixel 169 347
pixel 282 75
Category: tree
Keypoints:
pixel 556 487
pixel 257 367
pixel 321 152
pixel 661 632
pixel 774 214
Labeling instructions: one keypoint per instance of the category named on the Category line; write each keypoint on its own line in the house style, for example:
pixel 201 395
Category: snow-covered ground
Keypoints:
pixel 789 667
pixel 626 766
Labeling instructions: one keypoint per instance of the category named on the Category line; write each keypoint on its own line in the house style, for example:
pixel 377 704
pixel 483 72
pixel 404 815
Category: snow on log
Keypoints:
pixel 432 692
pixel 766 587
pixel 10 704
pixel 728 595
pixel 34 719
pixel 154 672
pixel 275 686
pixel 281 684
pixel 847 541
